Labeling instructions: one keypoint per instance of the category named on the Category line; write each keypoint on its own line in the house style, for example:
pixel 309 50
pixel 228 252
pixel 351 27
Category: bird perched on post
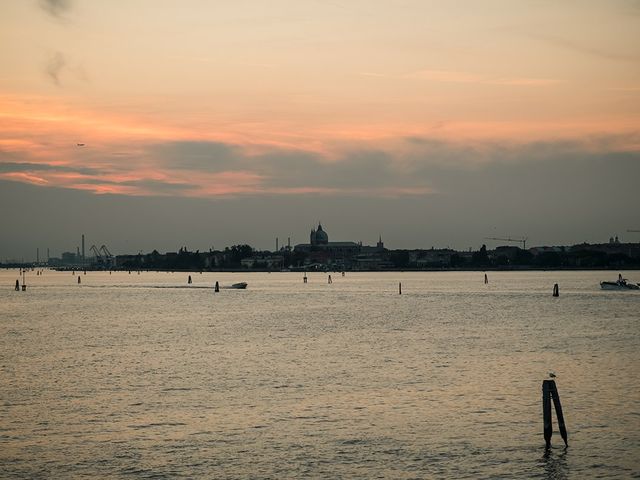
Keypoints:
pixel 552 375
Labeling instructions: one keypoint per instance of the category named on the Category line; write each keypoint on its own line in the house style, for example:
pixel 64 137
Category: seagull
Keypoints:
pixel 79 144
pixel 552 375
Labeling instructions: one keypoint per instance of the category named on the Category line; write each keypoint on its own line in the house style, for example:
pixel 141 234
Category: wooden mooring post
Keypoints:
pixel 549 393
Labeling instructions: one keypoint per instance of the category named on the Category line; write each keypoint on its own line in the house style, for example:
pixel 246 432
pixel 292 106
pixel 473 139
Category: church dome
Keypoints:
pixel 321 236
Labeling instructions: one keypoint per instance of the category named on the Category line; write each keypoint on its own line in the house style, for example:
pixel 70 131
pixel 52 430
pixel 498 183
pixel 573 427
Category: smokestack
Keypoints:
pixel 288 243
pixel 276 244
pixel 83 249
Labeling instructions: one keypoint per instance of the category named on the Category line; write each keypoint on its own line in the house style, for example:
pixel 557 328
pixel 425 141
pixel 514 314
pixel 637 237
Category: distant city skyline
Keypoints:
pixel 60 232
pixel 149 124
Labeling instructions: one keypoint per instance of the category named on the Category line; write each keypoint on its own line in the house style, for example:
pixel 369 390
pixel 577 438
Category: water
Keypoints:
pixel 119 378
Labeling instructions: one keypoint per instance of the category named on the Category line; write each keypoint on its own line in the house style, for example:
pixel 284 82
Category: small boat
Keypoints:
pixel 240 285
pixel 621 284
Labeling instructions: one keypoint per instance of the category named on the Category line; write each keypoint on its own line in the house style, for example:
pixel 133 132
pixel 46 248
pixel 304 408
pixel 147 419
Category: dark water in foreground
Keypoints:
pixel 117 378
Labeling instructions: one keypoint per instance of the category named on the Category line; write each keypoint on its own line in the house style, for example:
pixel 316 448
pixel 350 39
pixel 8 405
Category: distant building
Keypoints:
pixel 263 261
pixel 319 242
pixel 508 252
pixel 535 251
pixel 70 258
pixel 341 255
pixel 631 250
pixel 127 260
pixel 434 258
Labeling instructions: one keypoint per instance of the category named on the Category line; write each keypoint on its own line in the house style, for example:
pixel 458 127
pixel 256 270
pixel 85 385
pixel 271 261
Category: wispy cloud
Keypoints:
pixel 58 65
pixel 571 45
pixel 625 89
pixel 453 76
pixel 57 62
pixel 56 8
pixel 450 76
pixel 24 177
pixel 53 68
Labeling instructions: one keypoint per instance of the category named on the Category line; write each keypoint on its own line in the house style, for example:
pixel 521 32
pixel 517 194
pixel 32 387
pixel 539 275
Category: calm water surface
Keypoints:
pixel 144 376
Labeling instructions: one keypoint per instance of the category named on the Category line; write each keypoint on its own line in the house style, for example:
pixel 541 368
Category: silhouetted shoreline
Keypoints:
pixel 604 256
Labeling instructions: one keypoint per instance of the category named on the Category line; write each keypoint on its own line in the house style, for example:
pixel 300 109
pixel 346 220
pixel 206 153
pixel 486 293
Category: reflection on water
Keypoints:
pixel 294 380
pixel 555 463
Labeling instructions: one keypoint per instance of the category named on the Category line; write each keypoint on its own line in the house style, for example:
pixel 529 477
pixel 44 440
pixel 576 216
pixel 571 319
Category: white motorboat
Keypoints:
pixel 621 284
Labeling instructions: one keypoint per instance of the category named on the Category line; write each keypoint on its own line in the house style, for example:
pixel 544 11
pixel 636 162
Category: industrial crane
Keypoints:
pixel 108 256
pixel 102 254
pixel 523 240
pixel 97 254
pixel 106 251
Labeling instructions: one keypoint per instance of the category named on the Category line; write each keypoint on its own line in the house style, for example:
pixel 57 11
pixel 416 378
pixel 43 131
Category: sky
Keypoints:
pixel 157 124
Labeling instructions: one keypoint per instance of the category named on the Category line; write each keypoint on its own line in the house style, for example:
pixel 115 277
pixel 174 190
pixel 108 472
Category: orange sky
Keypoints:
pixel 321 78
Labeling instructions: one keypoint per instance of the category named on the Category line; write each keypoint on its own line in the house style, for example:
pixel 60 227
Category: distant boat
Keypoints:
pixel 621 284
pixel 240 285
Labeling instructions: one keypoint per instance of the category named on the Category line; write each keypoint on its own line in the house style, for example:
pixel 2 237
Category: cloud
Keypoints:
pixel 425 166
pixel 54 66
pixel 281 171
pixel 196 155
pixel 56 8
pixel 134 187
pixel 57 63
pixel 584 49
pixel 449 76
pixel 413 166
pixel 44 167
pixel 453 76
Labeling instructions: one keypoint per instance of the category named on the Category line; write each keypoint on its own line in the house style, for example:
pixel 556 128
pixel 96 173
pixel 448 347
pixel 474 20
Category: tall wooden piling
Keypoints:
pixel 486 279
pixel 546 412
pixel 217 287
pixel 189 280
pixel 556 403
pixel 550 392
pixel 399 288
pixel 556 290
